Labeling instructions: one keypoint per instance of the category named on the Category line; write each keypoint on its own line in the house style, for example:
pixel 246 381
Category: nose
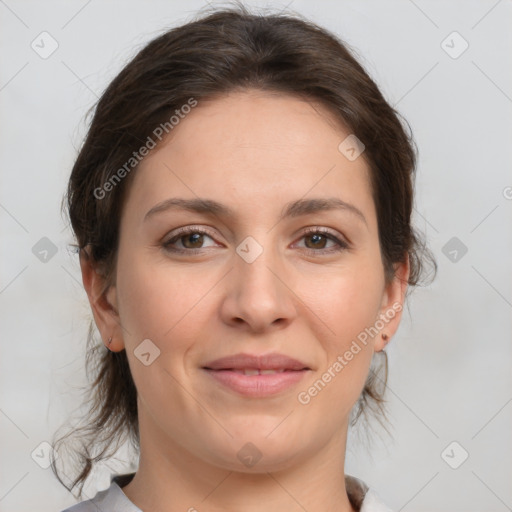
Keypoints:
pixel 259 297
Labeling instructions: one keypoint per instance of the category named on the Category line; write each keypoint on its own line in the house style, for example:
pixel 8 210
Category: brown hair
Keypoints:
pixel 224 51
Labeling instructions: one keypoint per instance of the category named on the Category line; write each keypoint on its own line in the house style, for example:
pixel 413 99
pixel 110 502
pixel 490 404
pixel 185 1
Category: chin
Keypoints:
pixel 251 459
pixel 255 451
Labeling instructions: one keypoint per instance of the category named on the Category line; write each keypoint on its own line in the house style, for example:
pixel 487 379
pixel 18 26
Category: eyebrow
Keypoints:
pixel 292 209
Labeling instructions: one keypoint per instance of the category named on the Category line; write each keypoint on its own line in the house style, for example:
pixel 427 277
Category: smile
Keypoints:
pixel 257 376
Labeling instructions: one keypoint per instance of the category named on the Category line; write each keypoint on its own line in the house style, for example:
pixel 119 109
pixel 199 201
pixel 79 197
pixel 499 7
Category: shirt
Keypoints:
pixel 113 499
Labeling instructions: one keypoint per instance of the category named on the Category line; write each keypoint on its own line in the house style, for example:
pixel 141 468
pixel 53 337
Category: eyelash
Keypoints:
pixel 342 245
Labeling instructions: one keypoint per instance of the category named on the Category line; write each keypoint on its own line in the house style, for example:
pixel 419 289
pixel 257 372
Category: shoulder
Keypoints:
pixel 373 503
pixel 109 500
pixel 362 498
pixel 90 505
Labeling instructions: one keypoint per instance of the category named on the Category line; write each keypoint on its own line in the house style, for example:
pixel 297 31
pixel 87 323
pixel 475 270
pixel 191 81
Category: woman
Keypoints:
pixel 242 208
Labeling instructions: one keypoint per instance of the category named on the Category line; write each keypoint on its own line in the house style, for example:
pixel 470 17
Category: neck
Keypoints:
pixel 173 479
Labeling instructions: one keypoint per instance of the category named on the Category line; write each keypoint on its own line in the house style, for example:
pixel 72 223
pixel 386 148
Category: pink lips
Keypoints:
pixel 257 376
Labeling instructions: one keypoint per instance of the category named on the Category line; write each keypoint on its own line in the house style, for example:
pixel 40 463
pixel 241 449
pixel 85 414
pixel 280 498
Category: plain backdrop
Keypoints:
pixel 450 387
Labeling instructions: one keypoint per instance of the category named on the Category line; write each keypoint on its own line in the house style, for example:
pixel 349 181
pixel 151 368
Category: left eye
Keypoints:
pixel 319 239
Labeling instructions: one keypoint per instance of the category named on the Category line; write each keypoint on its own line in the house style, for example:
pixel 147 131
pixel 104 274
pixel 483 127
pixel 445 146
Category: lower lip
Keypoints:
pixel 258 385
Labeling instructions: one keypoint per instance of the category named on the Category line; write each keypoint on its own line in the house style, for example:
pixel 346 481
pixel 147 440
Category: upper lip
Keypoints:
pixel 260 362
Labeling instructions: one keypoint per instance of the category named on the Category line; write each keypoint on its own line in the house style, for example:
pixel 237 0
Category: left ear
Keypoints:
pixel 391 309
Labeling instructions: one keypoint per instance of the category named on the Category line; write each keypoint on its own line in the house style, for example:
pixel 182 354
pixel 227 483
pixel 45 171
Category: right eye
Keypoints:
pixel 191 240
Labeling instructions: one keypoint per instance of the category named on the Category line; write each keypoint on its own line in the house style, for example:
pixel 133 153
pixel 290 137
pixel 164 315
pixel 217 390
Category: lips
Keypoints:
pixel 276 362
pixel 257 376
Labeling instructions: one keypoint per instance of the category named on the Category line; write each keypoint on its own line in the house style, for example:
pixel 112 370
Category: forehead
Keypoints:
pixel 248 147
pixel 260 120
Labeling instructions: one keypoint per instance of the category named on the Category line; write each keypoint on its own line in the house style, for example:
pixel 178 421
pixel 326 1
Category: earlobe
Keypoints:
pixel 393 300
pixel 102 299
pixel 381 342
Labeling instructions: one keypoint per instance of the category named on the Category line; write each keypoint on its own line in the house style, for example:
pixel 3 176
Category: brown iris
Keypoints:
pixel 194 239
pixel 316 236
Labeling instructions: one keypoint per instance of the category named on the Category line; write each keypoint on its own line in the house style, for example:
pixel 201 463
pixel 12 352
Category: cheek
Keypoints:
pixel 150 301
pixel 163 303
pixel 347 305
pixel 160 304
pixel 346 300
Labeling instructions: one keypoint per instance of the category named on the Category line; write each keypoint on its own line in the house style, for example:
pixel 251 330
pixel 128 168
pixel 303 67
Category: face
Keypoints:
pixel 282 274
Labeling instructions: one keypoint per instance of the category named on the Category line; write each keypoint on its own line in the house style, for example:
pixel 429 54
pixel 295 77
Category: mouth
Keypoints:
pixel 257 376
pixel 254 371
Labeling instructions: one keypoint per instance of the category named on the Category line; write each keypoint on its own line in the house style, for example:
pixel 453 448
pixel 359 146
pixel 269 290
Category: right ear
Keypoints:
pixel 103 302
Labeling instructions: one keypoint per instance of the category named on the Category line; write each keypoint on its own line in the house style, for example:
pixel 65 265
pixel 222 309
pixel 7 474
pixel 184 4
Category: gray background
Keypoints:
pixel 450 363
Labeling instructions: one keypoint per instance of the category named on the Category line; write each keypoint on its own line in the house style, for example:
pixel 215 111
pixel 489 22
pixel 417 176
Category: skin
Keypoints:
pixel 254 152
